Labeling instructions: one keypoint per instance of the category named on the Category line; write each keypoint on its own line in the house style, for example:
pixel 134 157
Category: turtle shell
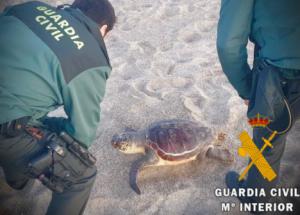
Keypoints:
pixel 176 140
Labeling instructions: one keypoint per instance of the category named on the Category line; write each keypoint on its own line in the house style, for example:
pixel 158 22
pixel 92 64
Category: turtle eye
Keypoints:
pixel 124 137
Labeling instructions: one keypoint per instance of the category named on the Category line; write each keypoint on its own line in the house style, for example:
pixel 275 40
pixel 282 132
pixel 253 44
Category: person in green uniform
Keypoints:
pixel 52 57
pixel 272 87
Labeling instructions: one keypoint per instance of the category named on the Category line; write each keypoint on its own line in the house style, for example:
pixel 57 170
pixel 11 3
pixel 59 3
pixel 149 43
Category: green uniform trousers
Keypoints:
pixel 273 155
pixel 16 153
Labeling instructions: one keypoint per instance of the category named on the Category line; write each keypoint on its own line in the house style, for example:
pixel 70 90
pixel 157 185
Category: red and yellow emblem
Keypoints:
pixel 249 148
pixel 259 121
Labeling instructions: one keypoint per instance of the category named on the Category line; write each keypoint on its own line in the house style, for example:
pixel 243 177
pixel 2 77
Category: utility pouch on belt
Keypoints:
pixel 41 167
pixel 61 163
pixel 268 99
pixel 83 154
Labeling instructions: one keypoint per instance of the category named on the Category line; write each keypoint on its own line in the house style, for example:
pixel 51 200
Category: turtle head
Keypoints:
pixel 128 142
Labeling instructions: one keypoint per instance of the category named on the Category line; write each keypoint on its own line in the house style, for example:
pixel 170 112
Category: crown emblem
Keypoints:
pixel 259 121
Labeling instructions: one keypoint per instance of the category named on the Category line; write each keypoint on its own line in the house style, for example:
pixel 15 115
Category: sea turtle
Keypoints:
pixel 168 142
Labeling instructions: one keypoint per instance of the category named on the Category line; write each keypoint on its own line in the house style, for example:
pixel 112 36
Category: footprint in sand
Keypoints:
pixel 170 84
pixel 165 46
pixel 143 89
pixel 157 88
pixel 181 83
pixel 191 37
pixel 215 88
pixel 129 24
pixel 167 11
pixel 206 26
pixel 134 73
pixel 171 69
pixel 120 46
pixel 182 56
pixel 185 70
pixel 127 27
pixel 191 8
pixel 147 48
pixel 195 104
pixel 147 5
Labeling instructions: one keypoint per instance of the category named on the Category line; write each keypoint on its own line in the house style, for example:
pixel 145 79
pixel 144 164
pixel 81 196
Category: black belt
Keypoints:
pixel 14 127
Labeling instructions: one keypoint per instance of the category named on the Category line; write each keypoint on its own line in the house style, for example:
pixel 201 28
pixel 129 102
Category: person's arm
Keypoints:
pixel 82 98
pixel 233 32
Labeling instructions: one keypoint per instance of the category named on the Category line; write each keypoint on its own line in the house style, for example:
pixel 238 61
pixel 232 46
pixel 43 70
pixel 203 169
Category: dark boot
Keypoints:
pixel 232 182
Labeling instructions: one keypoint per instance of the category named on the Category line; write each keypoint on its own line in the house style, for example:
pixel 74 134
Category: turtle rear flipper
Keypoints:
pixel 138 165
pixel 220 154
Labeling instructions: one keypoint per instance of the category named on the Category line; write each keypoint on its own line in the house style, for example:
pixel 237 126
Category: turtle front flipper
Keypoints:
pixel 220 154
pixel 147 160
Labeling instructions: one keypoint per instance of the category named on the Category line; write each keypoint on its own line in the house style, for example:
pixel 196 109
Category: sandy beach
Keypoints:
pixel 165 66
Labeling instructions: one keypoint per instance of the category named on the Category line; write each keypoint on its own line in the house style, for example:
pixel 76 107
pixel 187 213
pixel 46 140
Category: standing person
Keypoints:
pixel 53 57
pixel 272 87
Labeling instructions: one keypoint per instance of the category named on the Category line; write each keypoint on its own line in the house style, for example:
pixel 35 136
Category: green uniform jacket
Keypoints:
pixel 274 27
pixel 51 57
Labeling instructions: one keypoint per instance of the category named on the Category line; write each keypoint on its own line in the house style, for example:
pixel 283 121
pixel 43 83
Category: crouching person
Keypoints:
pixel 53 57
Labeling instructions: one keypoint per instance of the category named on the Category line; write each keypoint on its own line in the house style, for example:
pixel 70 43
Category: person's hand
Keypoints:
pixel 246 102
